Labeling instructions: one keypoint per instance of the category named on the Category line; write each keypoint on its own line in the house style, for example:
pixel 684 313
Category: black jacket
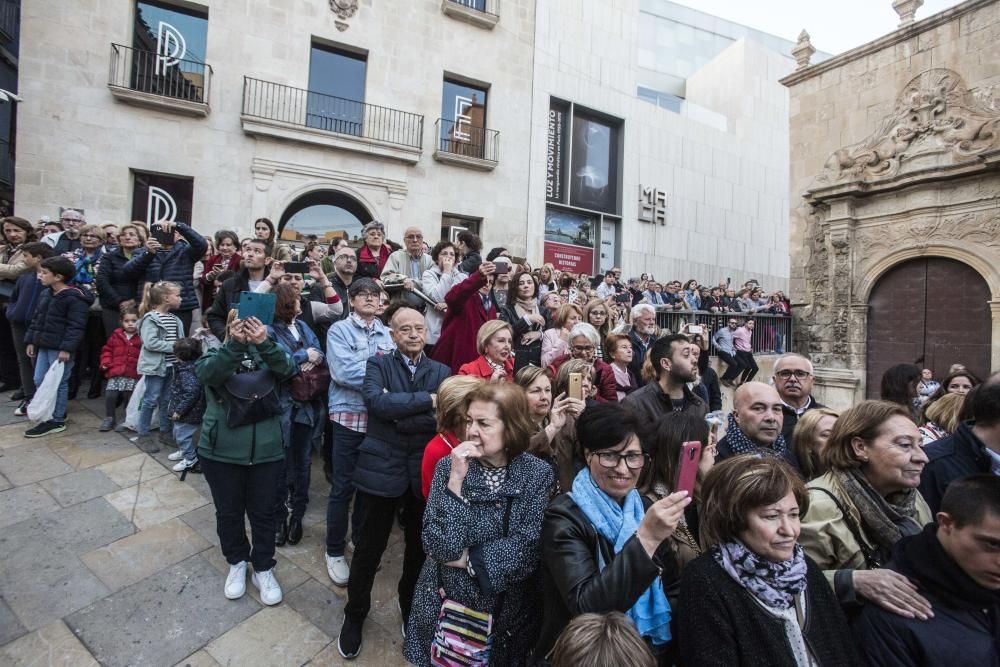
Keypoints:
pixel 574 582
pixel 341 289
pixel 401 422
pixel 114 285
pixel 524 354
pixel 791 419
pixel 650 403
pixel 639 350
pixel 708 389
pixel 720 623
pixel 175 265
pixel 959 455
pixel 60 319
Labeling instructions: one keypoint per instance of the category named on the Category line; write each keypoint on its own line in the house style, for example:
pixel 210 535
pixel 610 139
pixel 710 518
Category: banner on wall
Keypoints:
pixel 569 258
pixel 554 152
pixel 569 241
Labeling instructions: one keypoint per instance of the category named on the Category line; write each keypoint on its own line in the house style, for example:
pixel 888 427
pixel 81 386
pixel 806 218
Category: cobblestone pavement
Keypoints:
pixel 108 558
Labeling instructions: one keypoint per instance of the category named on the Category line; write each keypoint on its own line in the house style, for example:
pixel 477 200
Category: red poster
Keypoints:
pixel 572 258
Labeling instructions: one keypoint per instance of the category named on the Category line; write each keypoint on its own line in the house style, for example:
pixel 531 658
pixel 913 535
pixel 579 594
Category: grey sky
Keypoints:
pixel 834 25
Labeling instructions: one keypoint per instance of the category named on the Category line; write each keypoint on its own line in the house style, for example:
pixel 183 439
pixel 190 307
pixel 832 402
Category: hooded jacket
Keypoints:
pixel 120 355
pixel 60 319
pixel 175 265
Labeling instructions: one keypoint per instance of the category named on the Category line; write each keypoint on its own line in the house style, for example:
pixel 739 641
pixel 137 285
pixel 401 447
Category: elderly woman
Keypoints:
pixel 436 282
pixel 619 350
pixel 263 229
pixel 601 544
pixel 555 417
pixel 583 340
pixel 809 439
pixel 555 340
pixel 865 503
pixel 481 530
pixel 526 319
pixel 451 397
pixel 755 597
pixel 374 252
pixel 496 359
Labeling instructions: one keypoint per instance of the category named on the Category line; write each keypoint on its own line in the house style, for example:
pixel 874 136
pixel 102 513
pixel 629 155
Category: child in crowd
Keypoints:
pixel 187 403
pixel 119 363
pixel 55 333
pixel 159 329
pixel 27 291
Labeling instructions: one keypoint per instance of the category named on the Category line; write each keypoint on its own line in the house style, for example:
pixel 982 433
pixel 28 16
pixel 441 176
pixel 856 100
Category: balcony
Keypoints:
pixel 9 17
pixel 464 145
pixel 148 79
pixel 6 165
pixel 480 13
pixel 295 114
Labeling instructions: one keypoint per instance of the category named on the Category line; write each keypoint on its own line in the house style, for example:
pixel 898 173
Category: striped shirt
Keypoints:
pixel 171 325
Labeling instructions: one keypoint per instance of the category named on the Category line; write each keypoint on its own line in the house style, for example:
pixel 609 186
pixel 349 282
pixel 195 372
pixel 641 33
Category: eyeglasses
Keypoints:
pixel 583 348
pixel 89 236
pixel 414 237
pixel 368 296
pixel 799 374
pixel 633 460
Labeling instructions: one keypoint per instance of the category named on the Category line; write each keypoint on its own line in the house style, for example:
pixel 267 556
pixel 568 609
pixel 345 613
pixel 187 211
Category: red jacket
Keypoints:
pixel 457 343
pixel 120 355
pixel 439 447
pixel 604 378
pixel 481 368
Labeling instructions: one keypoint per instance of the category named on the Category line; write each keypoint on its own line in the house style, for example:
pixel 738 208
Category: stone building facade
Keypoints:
pixel 895 203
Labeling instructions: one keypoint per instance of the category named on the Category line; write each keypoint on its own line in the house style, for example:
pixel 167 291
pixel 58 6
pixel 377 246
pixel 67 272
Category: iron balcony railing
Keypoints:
pixel 461 138
pixel 9 12
pixel 772 334
pixel 490 7
pixel 305 108
pixel 156 74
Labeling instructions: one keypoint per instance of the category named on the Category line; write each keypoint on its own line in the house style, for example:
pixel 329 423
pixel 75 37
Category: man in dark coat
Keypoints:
pixel 955 564
pixel 793 378
pixel 676 365
pixel 755 425
pixel 400 392
pixel 972 449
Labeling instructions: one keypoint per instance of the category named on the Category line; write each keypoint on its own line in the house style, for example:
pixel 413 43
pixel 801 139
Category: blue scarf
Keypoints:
pixel 651 612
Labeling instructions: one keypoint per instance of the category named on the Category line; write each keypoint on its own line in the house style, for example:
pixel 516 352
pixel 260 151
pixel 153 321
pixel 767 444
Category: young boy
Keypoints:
pixel 23 300
pixel 187 403
pixel 55 333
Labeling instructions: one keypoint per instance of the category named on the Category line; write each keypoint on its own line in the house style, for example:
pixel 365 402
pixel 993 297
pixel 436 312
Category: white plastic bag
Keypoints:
pixel 134 405
pixel 43 404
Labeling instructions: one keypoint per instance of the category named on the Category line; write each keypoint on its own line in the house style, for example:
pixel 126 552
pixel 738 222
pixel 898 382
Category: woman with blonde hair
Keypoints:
pixel 494 342
pixel 555 341
pixel 942 417
pixel 809 438
pixel 450 424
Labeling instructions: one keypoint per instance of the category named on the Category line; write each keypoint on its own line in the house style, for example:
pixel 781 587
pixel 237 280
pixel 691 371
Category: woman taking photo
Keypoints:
pixel 755 598
pixel 451 397
pixel 809 440
pixel 600 544
pixel 554 440
pixel 436 282
pixel 555 340
pixel 866 501
pixel 526 320
pixel 583 342
pixel 619 349
pixel 302 411
pixel 226 258
pixel 597 314
pixel 481 529
pixel 263 229
pixel 496 361
pixel 242 452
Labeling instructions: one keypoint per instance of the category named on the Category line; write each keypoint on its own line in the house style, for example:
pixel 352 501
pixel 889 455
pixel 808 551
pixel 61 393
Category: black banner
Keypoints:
pixel 554 165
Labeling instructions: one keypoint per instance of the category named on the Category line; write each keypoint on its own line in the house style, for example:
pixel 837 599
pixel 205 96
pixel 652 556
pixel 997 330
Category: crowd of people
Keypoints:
pixel 568 489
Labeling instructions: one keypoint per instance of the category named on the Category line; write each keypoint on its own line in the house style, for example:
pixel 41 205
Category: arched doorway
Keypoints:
pixel 325 213
pixel 930 311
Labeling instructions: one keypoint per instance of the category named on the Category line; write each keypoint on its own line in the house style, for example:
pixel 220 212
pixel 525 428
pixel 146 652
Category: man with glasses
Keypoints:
pixel 723 339
pixel 409 263
pixel 68 239
pixel 793 378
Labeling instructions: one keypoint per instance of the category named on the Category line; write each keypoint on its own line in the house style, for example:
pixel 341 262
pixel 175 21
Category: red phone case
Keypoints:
pixel 687 470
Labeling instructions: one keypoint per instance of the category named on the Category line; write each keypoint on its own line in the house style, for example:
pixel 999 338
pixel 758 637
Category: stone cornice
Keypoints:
pixel 266 167
pixel 891 39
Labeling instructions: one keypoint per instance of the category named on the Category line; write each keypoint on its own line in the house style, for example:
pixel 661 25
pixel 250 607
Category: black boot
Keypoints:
pixel 294 530
pixel 281 537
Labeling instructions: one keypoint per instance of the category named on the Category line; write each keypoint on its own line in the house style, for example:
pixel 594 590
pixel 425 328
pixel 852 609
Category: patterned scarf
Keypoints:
pixel 774 584
pixel 741 444
pixel 885 519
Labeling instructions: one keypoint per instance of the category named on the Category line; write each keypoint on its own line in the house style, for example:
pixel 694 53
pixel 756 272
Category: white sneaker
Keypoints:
pixel 175 456
pixel 183 465
pixel 270 590
pixel 236 582
pixel 338 569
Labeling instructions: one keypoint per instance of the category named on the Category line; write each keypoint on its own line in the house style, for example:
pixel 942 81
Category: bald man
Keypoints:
pixel 755 424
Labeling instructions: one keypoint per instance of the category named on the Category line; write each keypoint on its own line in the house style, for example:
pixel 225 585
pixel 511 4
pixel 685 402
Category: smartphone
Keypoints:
pixel 623 297
pixel 518 260
pixel 575 386
pixel 162 237
pixel 695 329
pixel 296 267
pixel 257 304
pixel 687 470
pixel 503 266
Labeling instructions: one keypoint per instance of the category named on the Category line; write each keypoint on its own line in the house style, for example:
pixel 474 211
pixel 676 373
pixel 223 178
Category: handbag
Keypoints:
pixel 253 397
pixel 464 636
pixel 307 385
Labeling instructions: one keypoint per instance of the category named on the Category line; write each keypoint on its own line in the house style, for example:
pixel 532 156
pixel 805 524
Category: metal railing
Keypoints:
pixel 9 13
pixel 305 108
pixel 150 72
pixel 6 163
pixel 464 139
pixel 772 334
pixel 491 7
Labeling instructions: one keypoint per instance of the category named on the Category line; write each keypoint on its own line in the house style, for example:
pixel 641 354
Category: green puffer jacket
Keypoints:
pixel 253 443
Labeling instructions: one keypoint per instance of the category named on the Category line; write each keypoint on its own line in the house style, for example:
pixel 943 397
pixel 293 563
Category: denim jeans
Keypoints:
pixel 157 394
pixel 43 360
pixel 344 458
pixel 184 436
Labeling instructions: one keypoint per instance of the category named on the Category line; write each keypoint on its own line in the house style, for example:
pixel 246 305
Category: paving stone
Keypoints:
pixel 32 462
pixel 272 636
pixel 288 574
pixel 4 483
pixel 323 607
pixel 133 470
pixel 161 619
pixel 133 558
pixel 155 501
pixel 24 502
pixel 53 644
pixel 203 521
pixel 198 659
pixel 89 450
pixel 12 432
pixel 381 648
pixel 82 528
pixel 76 487
pixel 10 625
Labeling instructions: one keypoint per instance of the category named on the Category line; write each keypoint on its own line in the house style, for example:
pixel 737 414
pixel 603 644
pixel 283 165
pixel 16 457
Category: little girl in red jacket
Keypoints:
pixel 119 359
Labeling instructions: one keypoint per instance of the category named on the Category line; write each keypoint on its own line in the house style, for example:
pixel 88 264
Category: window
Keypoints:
pixel 452 225
pixel 463 118
pixel 159 198
pixel 169 50
pixel 594 172
pixel 336 90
